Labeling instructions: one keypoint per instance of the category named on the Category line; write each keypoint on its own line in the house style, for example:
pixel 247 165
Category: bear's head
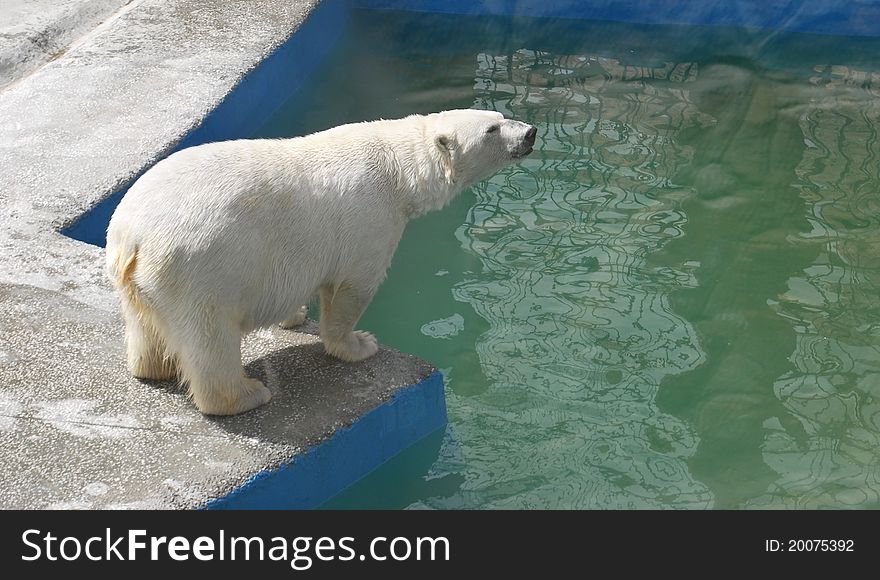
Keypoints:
pixel 474 144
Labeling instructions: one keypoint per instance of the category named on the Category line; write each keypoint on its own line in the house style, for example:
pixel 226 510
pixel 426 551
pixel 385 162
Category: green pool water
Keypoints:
pixel 673 303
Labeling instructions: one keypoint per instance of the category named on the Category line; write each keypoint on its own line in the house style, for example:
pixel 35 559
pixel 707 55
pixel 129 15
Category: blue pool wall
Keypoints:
pixel 833 17
pixel 321 472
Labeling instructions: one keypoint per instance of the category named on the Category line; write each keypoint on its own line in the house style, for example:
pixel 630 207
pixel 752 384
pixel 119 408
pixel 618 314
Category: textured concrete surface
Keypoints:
pixel 75 430
pixel 32 32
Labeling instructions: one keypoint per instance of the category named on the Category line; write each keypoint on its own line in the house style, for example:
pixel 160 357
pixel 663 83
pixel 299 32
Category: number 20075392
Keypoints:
pixel 809 546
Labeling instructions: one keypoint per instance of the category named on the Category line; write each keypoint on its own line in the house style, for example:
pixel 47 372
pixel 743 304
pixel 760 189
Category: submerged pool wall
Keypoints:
pixel 834 17
pixel 280 75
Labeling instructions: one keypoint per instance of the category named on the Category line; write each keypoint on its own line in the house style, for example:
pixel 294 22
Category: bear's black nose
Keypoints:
pixel 530 135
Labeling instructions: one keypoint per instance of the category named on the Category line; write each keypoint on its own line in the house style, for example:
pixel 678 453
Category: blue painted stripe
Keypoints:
pixel 247 107
pixel 834 17
pixel 321 472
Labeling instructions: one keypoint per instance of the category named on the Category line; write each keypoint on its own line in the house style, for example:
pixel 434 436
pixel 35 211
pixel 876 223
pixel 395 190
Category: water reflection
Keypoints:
pixel 832 458
pixel 580 330
pixel 672 303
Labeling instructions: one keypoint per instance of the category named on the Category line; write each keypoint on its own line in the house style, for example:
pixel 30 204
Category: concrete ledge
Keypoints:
pixel 75 430
pixel 319 473
pixel 32 32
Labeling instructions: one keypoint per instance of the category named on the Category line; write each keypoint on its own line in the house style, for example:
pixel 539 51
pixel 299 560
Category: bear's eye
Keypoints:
pixel 492 129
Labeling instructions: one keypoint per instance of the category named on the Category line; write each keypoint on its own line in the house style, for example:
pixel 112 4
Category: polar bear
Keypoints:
pixel 220 239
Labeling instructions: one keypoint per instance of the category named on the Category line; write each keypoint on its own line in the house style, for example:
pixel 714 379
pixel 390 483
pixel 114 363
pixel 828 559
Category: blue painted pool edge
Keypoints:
pixel 321 472
pixel 832 17
pixel 272 82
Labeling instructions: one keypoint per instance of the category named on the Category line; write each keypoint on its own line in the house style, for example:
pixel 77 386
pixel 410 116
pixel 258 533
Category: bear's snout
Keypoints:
pixel 527 143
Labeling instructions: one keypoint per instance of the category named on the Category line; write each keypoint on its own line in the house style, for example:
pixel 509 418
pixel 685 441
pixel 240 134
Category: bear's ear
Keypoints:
pixel 446 144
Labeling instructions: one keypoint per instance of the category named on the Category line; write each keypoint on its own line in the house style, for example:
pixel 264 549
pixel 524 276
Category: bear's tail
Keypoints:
pixel 121 264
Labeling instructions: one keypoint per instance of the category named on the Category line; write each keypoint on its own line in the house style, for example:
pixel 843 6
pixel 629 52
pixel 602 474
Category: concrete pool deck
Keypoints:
pixel 33 32
pixel 75 429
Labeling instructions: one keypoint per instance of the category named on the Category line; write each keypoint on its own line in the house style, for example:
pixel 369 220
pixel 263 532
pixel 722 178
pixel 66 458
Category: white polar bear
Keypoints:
pixel 220 239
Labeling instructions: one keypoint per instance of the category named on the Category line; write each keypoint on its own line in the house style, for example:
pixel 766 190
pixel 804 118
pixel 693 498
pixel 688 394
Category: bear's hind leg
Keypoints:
pixel 341 308
pixel 148 357
pixel 210 362
pixel 296 318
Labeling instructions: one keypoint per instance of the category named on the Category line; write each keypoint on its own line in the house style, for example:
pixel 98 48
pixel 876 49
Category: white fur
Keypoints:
pixel 223 238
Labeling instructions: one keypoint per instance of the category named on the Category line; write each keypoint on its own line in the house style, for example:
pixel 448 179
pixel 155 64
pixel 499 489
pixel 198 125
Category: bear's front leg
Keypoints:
pixel 341 308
